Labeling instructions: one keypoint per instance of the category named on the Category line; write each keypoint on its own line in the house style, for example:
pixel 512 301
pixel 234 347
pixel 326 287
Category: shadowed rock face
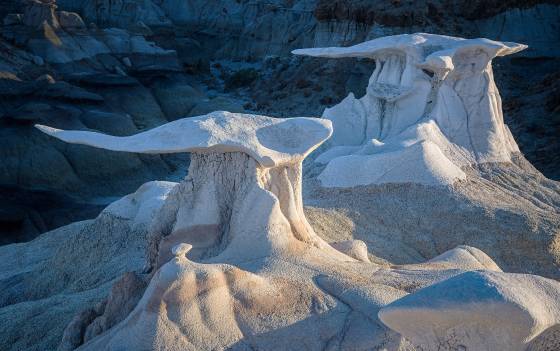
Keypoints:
pixel 43 282
pixel 401 13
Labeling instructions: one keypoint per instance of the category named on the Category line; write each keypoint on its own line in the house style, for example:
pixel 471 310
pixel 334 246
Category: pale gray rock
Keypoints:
pixel 406 223
pixel 406 226
pixel 44 284
pixel 124 295
pixel 465 256
pixel 335 300
pixel 73 333
pixel 480 310
pixel 66 48
pixel 418 121
pixel 270 141
pixel 233 235
pixel 354 248
pixel 548 340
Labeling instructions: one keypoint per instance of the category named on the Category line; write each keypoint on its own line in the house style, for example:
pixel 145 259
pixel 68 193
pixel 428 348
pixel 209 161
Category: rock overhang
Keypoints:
pixel 271 141
pixel 417 42
pixel 429 50
pixel 420 93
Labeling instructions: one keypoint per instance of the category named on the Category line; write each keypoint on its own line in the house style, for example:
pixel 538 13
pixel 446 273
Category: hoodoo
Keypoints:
pixel 242 196
pixel 232 262
pixel 431 108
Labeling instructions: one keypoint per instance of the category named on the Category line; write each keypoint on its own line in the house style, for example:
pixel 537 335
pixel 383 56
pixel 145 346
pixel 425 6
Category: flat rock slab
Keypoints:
pixel 271 141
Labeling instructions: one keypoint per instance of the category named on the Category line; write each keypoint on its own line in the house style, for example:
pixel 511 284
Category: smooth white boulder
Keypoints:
pixel 478 310
pixel 140 207
pixel 354 248
pixel 270 141
pixel 431 108
pixel 467 257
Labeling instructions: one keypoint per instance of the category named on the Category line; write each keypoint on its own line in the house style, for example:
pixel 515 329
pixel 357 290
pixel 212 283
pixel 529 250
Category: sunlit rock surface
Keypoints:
pixel 215 42
pixel 73 284
pixel 478 311
pixel 228 256
pixel 430 109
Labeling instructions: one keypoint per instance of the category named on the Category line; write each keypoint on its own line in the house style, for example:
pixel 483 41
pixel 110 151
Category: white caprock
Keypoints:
pixel 431 108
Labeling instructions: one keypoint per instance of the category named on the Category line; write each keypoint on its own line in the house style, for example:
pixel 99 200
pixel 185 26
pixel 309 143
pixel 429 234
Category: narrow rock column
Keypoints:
pixel 242 198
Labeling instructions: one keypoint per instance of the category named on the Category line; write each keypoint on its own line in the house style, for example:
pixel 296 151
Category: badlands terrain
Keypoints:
pixel 161 191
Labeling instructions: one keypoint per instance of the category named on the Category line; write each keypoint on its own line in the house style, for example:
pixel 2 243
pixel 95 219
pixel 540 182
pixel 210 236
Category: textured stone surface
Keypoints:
pixel 272 142
pixel 508 210
pixel 205 37
pixel 477 311
pixel 431 108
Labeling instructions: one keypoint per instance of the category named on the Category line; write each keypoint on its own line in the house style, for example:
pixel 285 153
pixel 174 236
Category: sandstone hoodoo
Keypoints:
pixel 406 212
pixel 242 197
pixel 431 108
pixel 231 261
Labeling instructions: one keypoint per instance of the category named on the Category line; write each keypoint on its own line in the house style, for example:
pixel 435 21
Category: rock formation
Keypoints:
pixel 209 39
pixel 234 157
pixel 65 278
pixel 478 310
pixel 140 64
pixel 431 109
pixel 232 261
